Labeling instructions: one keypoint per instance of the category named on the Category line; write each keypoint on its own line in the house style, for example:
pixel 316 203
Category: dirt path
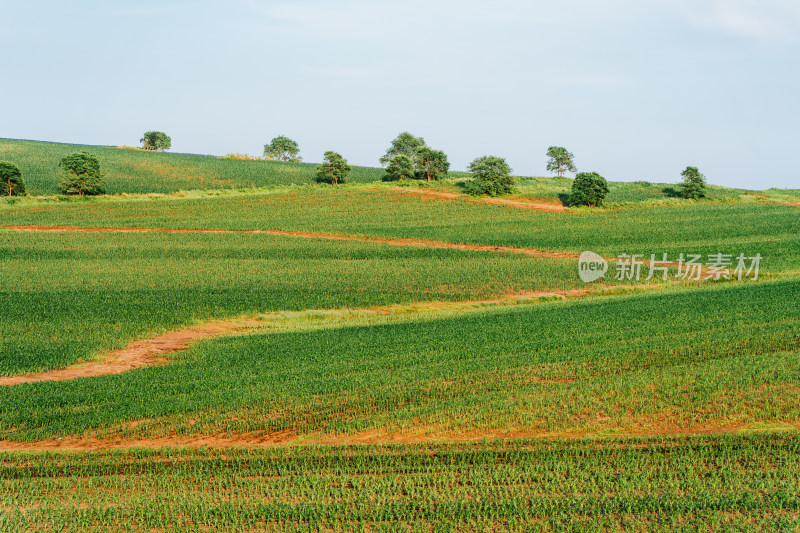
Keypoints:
pixel 138 354
pixel 417 243
pixel 151 352
pixel 372 437
pixel 496 201
pixel 414 243
pixel 94 444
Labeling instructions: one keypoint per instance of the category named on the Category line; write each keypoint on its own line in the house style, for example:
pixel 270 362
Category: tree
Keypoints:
pixel 560 160
pixel 156 140
pixel 334 169
pixel 11 182
pixel 694 184
pixel 401 167
pixel 404 144
pixel 431 163
pixel 589 188
pixel 492 176
pixel 81 174
pixel 282 148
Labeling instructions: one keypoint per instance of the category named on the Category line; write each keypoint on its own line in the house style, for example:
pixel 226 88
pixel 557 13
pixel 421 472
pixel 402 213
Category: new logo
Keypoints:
pixel 591 267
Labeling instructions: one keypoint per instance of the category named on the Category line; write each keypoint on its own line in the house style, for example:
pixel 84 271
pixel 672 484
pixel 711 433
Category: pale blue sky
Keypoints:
pixel 637 89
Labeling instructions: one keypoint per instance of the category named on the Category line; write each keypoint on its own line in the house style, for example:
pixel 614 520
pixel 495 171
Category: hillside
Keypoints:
pixel 134 171
pixel 378 357
pixel 129 170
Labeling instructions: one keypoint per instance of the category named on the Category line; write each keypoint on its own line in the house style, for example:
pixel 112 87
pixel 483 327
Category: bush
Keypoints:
pixel 694 184
pixel 81 174
pixel 156 140
pixel 241 157
pixel 492 176
pixel 333 170
pixel 589 188
pixel 11 182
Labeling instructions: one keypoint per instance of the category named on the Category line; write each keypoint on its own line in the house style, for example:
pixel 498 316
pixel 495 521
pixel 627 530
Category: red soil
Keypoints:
pixel 418 243
pixel 496 201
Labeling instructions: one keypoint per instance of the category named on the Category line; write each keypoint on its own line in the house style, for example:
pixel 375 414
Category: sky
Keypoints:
pixel 636 89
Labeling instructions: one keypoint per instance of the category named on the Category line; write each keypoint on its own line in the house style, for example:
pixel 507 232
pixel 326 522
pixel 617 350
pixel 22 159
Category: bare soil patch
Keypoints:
pixel 208 441
pixel 138 354
pixel 153 351
pixel 496 201
pixel 371 437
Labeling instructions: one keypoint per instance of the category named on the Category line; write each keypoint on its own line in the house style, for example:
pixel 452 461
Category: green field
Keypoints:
pixel 416 362
pixel 78 294
pixel 380 211
pixel 129 170
pixel 133 171
pixel 557 190
pixel 676 360
pixel 702 483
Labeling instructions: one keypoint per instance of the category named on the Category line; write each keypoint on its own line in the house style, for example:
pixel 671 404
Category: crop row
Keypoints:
pixel 674 361
pixel 70 295
pixel 749 228
pixel 705 482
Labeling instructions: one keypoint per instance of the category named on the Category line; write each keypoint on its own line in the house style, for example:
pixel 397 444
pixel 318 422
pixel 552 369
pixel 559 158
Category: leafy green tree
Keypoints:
pixel 11 182
pixel 560 160
pixel 334 169
pixel 589 188
pixel 81 174
pixel 282 148
pixel 404 144
pixel 694 184
pixel 492 176
pixel 401 167
pixel 431 164
pixel 156 140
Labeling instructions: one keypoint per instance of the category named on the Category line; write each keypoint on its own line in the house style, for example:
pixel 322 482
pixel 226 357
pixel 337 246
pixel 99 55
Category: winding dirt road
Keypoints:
pixel 495 201
pixel 416 243
pixel 138 354
pixel 153 351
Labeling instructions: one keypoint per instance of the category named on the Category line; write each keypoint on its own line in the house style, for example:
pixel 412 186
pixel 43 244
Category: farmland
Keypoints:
pixel 129 170
pixel 132 171
pixel 411 360
pixel 556 191
pixel 674 361
pixel 735 483
pixel 93 292
pixel 384 212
